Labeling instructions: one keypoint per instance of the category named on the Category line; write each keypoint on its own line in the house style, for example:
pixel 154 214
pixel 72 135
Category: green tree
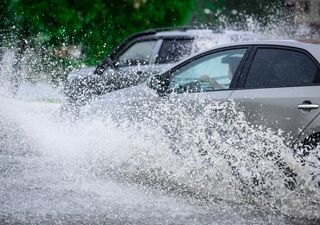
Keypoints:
pixel 96 25
pixel 6 21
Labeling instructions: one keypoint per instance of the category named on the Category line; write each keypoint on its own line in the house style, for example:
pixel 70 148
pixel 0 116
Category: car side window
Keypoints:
pixel 208 73
pixel 138 53
pixel 281 68
pixel 173 50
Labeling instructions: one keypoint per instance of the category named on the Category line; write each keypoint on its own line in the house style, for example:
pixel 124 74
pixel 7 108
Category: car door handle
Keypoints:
pixel 218 108
pixel 308 106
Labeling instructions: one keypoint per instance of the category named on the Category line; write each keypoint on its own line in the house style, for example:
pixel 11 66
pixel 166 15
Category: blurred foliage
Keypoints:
pixel 236 12
pixel 53 27
pixel 97 26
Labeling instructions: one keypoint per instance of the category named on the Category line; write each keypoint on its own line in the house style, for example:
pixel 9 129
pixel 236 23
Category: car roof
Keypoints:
pixel 310 45
pixel 191 33
pixel 188 31
pixel 169 32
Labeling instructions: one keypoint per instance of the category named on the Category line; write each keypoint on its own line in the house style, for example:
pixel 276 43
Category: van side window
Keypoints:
pixel 281 68
pixel 138 53
pixel 173 50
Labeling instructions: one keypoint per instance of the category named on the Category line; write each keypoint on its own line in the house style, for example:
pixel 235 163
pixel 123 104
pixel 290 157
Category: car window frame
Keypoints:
pixel 165 77
pixel 113 57
pixel 129 42
pixel 155 51
pixel 123 46
pixel 247 66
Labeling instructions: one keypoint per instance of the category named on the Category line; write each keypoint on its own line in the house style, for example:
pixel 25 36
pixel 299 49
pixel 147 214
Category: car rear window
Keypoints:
pixel 281 68
pixel 173 50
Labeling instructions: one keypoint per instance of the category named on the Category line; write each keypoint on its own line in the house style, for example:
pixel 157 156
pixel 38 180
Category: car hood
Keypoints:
pixel 81 73
pixel 116 100
pixel 134 93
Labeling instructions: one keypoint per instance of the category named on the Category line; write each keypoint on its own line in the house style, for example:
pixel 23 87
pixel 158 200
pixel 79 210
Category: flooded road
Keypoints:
pixel 95 171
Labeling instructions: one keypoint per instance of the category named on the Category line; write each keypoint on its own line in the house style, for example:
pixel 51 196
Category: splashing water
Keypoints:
pixel 201 144
pixel 147 161
pixel 52 170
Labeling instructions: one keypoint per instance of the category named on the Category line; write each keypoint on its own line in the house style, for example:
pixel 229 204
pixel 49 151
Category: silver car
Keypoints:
pixel 275 83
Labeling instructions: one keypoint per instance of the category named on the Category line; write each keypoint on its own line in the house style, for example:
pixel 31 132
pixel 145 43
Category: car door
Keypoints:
pixel 278 89
pixel 208 77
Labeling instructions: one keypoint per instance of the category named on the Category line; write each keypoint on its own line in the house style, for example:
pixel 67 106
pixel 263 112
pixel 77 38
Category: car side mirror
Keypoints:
pixel 101 67
pixel 154 82
pixel 109 62
pixel 158 83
